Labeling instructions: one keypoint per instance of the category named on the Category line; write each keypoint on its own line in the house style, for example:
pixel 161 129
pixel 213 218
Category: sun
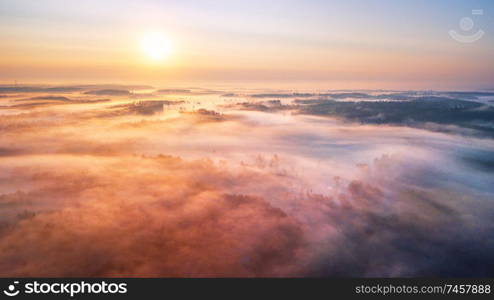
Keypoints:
pixel 156 46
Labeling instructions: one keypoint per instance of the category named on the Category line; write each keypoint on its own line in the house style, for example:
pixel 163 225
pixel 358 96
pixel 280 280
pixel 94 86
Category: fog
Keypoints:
pixel 192 182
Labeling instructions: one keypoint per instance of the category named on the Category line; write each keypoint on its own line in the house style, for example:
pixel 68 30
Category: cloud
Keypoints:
pixel 49 100
pixel 470 95
pixel 328 95
pixel 158 188
pixel 49 97
pixel 108 92
pixel 192 91
pixel 230 95
pixel 292 95
pixel 174 91
pixel 204 115
pixel 150 235
pixel 8 152
pixel 144 107
pixel 37 89
pixel 34 104
pixel 407 109
pixel 265 106
pixel 9 89
pixel 172 217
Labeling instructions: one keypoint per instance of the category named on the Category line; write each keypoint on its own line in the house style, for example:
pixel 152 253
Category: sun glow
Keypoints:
pixel 156 46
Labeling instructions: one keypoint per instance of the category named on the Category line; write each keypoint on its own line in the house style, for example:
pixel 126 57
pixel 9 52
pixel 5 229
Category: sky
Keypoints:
pixel 333 44
pixel 235 139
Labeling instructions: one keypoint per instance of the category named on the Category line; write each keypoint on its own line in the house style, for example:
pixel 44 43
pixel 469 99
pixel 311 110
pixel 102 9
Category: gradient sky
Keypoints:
pixel 339 44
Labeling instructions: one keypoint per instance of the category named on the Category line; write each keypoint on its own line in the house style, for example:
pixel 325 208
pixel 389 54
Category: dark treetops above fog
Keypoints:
pixel 473 111
pixel 90 89
pixel 463 109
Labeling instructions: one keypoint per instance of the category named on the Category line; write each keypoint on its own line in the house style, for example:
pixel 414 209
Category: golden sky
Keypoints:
pixel 341 43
